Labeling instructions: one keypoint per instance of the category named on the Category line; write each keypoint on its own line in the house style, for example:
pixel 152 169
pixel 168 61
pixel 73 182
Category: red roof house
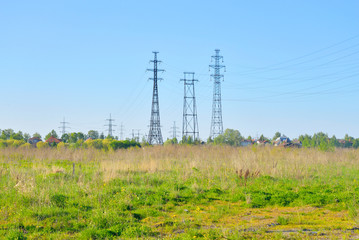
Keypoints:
pixel 53 140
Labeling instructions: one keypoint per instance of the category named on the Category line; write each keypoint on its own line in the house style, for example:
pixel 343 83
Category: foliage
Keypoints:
pixel 171 141
pixel 93 134
pixel 276 135
pixel 37 135
pixel 42 145
pixel 51 134
pixel 230 137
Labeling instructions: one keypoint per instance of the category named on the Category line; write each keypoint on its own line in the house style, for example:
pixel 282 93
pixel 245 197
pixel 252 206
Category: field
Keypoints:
pixel 179 192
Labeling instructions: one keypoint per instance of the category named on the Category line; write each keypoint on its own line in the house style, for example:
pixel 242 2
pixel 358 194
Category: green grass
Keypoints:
pixel 41 198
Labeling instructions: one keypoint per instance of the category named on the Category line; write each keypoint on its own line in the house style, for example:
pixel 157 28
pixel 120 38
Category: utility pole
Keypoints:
pixel 110 126
pixel 174 130
pixel 216 123
pixel 155 135
pixel 63 127
pixel 190 122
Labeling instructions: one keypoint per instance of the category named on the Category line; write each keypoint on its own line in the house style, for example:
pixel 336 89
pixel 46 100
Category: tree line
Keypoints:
pixel 93 139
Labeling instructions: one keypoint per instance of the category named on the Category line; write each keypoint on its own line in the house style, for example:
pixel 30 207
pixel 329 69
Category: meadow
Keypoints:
pixel 179 192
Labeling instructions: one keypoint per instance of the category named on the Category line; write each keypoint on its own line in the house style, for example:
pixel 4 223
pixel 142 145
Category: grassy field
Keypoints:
pixel 179 192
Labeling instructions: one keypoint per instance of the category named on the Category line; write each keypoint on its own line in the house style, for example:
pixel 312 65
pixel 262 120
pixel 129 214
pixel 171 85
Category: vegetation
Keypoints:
pixel 178 192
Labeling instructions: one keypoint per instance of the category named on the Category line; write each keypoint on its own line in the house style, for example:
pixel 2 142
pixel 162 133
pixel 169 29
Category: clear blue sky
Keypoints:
pixel 292 66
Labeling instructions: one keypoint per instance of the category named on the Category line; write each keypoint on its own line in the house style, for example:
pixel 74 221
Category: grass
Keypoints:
pixel 179 192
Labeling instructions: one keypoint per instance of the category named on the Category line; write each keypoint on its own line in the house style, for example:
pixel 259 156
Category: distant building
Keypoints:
pixel 282 141
pixel 245 143
pixel 34 140
pixel 52 140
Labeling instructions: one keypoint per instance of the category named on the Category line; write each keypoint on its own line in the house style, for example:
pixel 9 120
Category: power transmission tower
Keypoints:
pixel 155 135
pixel 174 130
pixel 121 131
pixel 190 123
pixel 63 127
pixel 136 137
pixel 110 125
pixel 216 123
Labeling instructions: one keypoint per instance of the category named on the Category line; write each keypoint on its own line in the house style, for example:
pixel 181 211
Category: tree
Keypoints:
pixel 65 138
pixel 93 134
pixel 276 135
pixel 6 134
pixel 17 136
pixel 102 136
pixel 51 134
pixel 73 137
pixel 26 137
pixel 262 138
pixel 80 135
pixel 356 143
pixel 171 141
pixel 36 135
pixel 230 136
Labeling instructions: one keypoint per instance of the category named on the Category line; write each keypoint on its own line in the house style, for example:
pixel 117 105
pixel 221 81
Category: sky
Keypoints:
pixel 291 66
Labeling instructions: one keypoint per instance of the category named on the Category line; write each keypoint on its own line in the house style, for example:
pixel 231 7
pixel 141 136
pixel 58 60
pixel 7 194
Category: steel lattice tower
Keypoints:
pixel 63 127
pixel 216 124
pixel 155 135
pixel 190 123
pixel 110 125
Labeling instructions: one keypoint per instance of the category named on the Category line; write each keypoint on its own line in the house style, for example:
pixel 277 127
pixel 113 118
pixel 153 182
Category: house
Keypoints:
pixel 34 140
pixel 52 140
pixel 282 141
pixel 245 143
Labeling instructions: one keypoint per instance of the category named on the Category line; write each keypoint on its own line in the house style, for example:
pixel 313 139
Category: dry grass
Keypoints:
pixel 210 160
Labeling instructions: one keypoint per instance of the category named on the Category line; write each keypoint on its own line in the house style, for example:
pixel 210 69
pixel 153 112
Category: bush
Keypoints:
pixel 42 145
pixel 61 146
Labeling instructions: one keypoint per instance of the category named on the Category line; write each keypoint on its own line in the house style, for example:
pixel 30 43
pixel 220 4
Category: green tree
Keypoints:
pixel 356 143
pixel 93 134
pixel 17 136
pixel 51 134
pixel 102 136
pixel 73 137
pixel 6 134
pixel 65 138
pixel 26 137
pixel 230 136
pixel 263 138
pixel 276 135
pixel 36 135
pixel 81 136
pixel 171 141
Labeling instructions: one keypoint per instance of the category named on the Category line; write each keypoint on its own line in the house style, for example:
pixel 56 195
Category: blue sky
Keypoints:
pixel 292 66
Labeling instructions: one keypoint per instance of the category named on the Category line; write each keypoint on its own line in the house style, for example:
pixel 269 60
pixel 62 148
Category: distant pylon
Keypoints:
pixel 216 123
pixel 63 127
pixel 110 126
pixel 155 135
pixel 174 130
pixel 121 131
pixel 190 123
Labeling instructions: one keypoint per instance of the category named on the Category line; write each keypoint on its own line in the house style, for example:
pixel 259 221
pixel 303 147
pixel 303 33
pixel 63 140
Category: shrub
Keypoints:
pixel 42 145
